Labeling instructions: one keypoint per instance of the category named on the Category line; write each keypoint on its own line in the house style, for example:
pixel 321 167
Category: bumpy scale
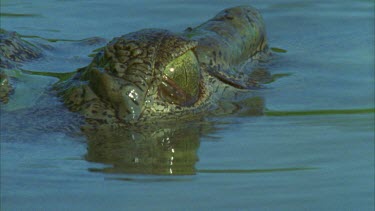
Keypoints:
pixel 153 75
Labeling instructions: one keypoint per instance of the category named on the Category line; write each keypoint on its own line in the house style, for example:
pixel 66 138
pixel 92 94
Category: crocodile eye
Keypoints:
pixel 181 80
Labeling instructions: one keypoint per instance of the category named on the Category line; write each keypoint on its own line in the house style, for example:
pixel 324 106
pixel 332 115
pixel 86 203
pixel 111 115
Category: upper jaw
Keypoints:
pixel 127 72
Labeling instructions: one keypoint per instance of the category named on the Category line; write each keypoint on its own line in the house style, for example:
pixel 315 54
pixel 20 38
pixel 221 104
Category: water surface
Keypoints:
pixel 313 150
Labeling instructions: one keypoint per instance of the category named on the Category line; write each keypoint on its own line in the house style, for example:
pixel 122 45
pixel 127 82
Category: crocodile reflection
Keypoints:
pixel 159 150
pixel 162 151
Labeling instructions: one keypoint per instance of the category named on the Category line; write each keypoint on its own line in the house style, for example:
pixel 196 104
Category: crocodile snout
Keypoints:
pixel 125 97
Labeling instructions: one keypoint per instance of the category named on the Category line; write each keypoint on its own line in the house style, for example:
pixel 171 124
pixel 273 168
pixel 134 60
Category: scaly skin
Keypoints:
pixel 153 75
pixel 5 87
pixel 13 51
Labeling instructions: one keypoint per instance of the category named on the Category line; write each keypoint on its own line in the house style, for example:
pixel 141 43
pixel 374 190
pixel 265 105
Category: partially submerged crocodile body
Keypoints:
pixel 154 75
pixel 149 76
pixel 13 51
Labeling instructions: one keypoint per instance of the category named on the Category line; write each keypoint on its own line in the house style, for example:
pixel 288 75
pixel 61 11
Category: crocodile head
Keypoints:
pixel 149 74
pixel 13 50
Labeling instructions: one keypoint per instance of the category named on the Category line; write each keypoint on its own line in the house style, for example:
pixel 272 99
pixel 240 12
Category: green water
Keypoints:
pixel 313 149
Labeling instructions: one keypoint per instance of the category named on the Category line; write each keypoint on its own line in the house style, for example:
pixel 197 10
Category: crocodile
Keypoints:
pixel 155 75
pixel 149 76
pixel 13 51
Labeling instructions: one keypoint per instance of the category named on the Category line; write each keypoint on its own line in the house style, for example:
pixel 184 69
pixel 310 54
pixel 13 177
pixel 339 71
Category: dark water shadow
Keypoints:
pixel 179 178
pixel 153 179
pixel 163 149
pixel 19 15
pixel 171 149
pixel 252 171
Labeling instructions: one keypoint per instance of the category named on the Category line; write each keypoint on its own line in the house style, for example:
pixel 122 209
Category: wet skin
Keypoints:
pixel 13 51
pixel 154 75
pixel 141 84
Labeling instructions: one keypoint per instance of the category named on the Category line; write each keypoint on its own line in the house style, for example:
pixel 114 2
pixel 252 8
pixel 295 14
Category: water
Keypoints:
pixel 297 160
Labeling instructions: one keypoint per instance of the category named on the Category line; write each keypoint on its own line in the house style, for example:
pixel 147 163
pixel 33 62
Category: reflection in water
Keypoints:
pixel 167 150
pixel 162 149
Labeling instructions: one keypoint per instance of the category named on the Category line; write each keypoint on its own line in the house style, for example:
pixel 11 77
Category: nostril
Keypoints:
pixel 130 107
pixel 125 97
pixel 133 110
pixel 133 96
